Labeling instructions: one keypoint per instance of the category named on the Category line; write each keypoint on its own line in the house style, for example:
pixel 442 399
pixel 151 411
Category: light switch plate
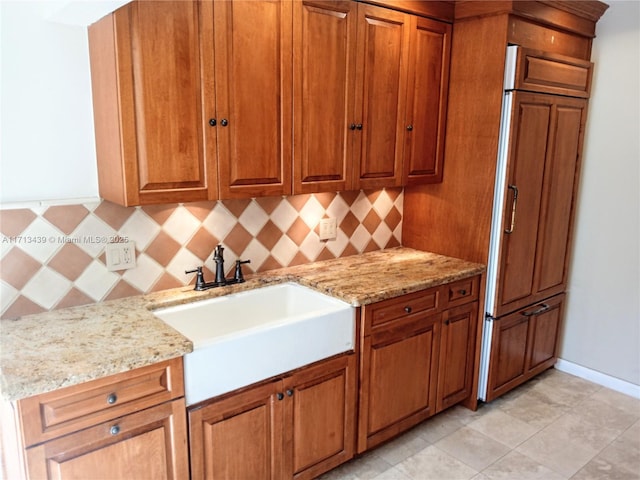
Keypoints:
pixel 120 256
pixel 327 230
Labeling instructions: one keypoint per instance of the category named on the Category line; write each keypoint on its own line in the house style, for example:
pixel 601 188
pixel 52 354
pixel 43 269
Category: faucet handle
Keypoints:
pixel 238 276
pixel 218 253
pixel 199 277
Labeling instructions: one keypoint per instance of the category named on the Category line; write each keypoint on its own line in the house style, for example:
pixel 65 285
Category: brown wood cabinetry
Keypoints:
pixel 296 427
pixel 176 112
pixel 130 425
pixel 401 98
pixel 525 343
pixel 417 358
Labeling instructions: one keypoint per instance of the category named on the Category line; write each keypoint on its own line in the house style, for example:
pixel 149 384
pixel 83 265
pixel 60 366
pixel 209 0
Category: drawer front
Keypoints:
pixel 68 409
pixel 462 291
pixel 381 313
pixel 556 74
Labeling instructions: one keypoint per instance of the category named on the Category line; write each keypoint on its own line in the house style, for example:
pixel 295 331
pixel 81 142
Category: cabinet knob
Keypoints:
pixel 409 127
pixel 355 126
pixel 359 126
pixel 289 393
pixel 112 398
pixel 212 122
pixel 224 122
pixel 462 292
pixel 280 395
pixel 114 430
pixel 446 322
pixel 407 309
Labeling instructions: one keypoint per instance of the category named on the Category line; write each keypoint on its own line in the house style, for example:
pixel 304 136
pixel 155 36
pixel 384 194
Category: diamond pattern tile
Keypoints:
pixel 67 266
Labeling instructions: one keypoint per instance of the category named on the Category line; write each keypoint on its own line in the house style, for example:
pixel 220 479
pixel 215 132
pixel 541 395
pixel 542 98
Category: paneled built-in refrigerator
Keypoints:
pixel 534 200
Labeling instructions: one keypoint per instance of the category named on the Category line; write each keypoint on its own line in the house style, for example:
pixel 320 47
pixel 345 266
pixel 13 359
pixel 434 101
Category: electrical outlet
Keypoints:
pixel 327 230
pixel 120 256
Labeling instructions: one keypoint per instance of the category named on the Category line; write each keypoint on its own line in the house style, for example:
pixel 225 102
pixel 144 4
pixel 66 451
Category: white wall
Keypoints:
pixel 602 324
pixel 48 147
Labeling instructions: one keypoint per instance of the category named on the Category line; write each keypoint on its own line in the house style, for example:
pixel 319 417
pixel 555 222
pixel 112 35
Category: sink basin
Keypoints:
pixel 242 338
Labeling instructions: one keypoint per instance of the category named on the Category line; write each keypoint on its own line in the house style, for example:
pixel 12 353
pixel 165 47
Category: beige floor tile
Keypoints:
pixel 440 426
pixel 515 465
pixel 619 400
pixel 503 428
pixel 402 447
pixel 534 408
pixel 366 467
pixel 392 474
pixel 473 448
pixel 567 444
pixel 433 463
pixel 601 413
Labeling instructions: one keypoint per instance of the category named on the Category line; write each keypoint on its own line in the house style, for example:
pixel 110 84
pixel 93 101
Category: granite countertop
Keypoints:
pixel 47 351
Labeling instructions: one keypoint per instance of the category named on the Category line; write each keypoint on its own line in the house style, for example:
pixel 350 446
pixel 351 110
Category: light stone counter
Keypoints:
pixel 44 352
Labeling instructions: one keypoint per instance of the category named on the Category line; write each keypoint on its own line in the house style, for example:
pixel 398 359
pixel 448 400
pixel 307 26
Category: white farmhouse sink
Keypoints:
pixel 242 338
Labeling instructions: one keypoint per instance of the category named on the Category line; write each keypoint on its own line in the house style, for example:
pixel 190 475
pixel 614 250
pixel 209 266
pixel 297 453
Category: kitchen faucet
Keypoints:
pixel 220 280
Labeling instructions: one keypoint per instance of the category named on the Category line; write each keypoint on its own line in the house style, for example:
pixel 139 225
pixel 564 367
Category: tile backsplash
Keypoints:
pixel 53 257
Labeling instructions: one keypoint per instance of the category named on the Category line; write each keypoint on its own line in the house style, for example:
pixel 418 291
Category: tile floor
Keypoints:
pixel 556 426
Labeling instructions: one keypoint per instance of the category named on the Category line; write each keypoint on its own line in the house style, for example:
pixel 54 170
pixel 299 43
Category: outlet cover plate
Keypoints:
pixel 327 230
pixel 120 256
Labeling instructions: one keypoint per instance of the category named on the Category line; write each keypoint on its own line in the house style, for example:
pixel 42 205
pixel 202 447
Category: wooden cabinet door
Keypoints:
pixel 542 170
pixel 151 443
pixel 324 36
pixel 381 80
pixel 253 78
pixel 145 68
pixel 525 343
pixel 320 419
pixel 399 378
pixel 427 93
pixel 238 436
pixel 457 342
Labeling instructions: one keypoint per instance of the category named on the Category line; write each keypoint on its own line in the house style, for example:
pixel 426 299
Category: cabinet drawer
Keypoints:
pixel 461 292
pixel 397 308
pixel 69 409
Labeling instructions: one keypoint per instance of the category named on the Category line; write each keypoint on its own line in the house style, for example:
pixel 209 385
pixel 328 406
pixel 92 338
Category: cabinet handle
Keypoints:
pixel 543 308
pixel 212 122
pixel 280 395
pixel 114 430
pixel 289 393
pixel 407 309
pixel 409 127
pixel 513 209
pixel 112 398
pixel 224 122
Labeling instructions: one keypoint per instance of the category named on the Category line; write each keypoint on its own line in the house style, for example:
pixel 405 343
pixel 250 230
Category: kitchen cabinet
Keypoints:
pixel 525 343
pixel 129 425
pixel 417 358
pixel 298 426
pixel 401 98
pixel 176 114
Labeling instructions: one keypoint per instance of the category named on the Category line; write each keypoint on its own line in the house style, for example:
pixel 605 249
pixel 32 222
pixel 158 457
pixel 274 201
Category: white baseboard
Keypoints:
pixel 600 378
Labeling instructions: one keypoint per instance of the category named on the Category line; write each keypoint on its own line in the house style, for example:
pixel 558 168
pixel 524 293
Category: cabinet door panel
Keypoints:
pixel 525 171
pixel 148 444
pixel 324 74
pixel 426 101
pixel 558 194
pixel 383 41
pixel 544 335
pixel 236 437
pixel 253 77
pixel 322 414
pixel 455 369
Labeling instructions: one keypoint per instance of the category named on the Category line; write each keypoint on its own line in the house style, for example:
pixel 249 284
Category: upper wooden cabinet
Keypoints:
pixel 148 105
pixel 324 34
pixel 401 98
pixel 204 100
pixel 252 84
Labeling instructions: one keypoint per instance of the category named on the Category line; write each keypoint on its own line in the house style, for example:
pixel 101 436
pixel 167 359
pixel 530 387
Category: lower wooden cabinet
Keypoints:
pixel 417 358
pixel 298 427
pixel 524 344
pixel 131 425
pixel 146 444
